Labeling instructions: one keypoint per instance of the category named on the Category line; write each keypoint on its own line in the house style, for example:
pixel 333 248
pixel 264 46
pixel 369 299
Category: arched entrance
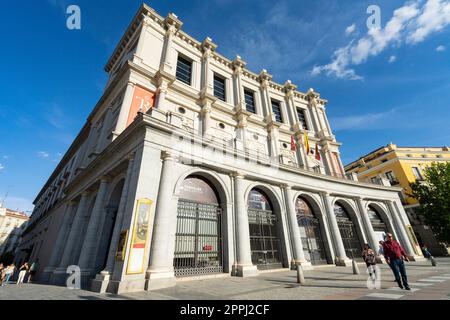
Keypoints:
pixel 198 238
pixel 264 239
pixel 349 235
pixel 311 233
pixel 109 220
pixel 379 227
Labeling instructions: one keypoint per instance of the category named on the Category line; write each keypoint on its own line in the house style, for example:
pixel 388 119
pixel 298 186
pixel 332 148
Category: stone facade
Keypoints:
pixel 151 132
pixel 12 224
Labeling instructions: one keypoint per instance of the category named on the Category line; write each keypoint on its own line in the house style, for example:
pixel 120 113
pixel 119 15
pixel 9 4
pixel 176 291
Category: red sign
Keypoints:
pixel 143 100
pixel 207 248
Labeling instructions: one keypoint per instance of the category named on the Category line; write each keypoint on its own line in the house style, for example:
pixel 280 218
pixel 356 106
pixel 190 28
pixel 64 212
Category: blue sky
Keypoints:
pixel 388 85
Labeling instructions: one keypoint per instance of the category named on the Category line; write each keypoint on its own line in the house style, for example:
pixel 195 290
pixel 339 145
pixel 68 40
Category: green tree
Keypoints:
pixel 434 196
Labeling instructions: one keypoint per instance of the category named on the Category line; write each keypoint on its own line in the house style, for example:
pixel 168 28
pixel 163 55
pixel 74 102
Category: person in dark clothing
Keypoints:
pixel 396 256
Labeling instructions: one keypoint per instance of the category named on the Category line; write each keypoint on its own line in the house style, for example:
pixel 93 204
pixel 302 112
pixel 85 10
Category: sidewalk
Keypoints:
pixel 323 283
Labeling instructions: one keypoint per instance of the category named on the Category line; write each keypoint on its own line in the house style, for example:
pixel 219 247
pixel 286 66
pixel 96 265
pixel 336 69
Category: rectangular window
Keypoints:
pixel 277 111
pixel 302 118
pixel 390 176
pixel 184 70
pixel 219 87
pixel 250 101
pixel 417 173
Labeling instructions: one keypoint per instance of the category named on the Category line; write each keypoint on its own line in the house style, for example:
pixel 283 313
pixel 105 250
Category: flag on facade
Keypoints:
pixel 306 143
pixel 293 144
pixel 317 152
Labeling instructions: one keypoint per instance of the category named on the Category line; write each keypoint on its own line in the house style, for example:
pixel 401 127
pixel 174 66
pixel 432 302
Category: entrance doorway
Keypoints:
pixel 198 239
pixel 350 238
pixel 264 239
pixel 310 232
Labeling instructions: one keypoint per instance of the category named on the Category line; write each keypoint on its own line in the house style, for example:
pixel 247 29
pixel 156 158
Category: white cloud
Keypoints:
pixel 360 122
pixel 392 59
pixel 440 48
pixel 411 23
pixel 1 167
pixel 434 17
pixel 43 154
pixel 350 29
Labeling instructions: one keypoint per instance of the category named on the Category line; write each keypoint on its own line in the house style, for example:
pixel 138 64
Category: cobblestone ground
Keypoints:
pixel 323 283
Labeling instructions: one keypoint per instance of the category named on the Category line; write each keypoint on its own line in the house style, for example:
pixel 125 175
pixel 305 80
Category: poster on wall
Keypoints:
pixel 140 237
pixel 143 100
pixel 121 247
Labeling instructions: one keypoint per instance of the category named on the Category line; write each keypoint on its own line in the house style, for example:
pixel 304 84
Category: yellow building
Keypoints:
pixel 402 166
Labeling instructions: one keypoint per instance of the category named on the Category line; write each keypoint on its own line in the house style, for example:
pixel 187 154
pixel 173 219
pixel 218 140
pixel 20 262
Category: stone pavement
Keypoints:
pixel 323 283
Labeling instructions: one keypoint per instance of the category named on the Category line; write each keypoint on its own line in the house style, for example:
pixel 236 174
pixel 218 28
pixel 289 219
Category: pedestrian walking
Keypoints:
pixel 380 249
pixel 370 259
pixel 426 253
pixel 23 272
pixel 396 256
pixel 8 273
pixel 33 270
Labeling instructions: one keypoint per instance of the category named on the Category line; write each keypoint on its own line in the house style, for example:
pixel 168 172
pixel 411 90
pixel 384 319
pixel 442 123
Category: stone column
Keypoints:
pixel 94 229
pixel 297 246
pixel 160 272
pixel 101 280
pixel 239 65
pixel 243 266
pixel 264 79
pixel 121 211
pixel 124 109
pixel 341 258
pixel 206 117
pixel 60 241
pixel 74 234
pixel 172 25
pixel 401 229
pixel 208 47
pixel 368 224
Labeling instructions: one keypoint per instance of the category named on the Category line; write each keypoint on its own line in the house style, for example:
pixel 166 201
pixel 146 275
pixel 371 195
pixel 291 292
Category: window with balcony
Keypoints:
pixel 390 176
pixel 277 111
pixel 302 118
pixel 219 87
pixel 184 70
pixel 250 101
pixel 417 173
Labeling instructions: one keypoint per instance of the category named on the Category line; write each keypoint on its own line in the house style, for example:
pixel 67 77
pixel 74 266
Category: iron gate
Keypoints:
pixel 198 240
pixel 313 246
pixel 350 238
pixel 264 241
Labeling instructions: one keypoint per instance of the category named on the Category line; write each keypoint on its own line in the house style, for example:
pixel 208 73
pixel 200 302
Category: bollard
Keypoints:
pixel 433 262
pixel 355 267
pixel 300 275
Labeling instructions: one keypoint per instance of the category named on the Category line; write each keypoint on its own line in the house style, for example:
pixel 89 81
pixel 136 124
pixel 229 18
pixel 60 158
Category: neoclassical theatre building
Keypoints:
pixel 191 165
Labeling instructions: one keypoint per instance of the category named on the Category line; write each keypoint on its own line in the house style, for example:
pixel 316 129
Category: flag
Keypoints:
pixel 306 143
pixel 293 144
pixel 317 152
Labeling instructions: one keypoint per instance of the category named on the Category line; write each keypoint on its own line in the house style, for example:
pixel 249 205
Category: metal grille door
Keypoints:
pixel 198 241
pixel 350 239
pixel 264 241
pixel 313 246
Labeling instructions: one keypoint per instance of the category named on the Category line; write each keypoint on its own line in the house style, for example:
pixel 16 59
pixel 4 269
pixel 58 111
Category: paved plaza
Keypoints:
pixel 323 283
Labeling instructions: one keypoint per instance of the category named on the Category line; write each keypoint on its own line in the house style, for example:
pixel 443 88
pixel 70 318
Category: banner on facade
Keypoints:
pixel 122 245
pixel 143 101
pixel 140 237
